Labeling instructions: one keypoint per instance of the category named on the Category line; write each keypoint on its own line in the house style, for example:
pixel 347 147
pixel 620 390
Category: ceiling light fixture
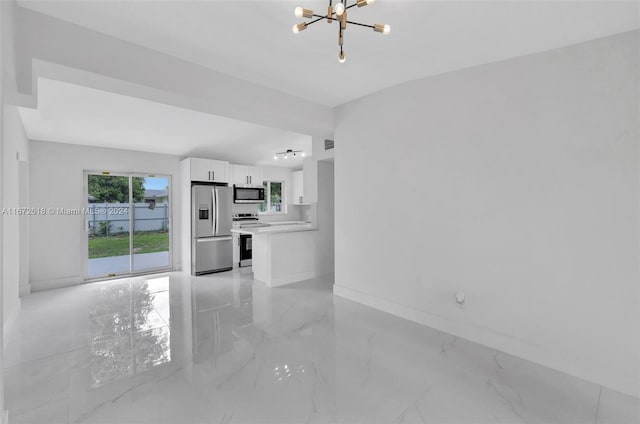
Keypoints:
pixel 338 14
pixel 287 153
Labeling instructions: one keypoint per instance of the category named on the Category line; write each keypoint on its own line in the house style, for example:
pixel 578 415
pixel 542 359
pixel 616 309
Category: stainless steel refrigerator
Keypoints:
pixel 211 242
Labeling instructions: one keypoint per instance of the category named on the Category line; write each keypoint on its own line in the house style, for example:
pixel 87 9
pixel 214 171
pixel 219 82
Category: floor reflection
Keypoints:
pixel 225 348
pixel 130 327
pixel 284 372
pixel 216 315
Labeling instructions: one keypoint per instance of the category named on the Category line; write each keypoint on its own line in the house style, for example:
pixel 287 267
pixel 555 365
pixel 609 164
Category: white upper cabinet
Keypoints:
pixel 220 171
pixel 246 175
pixel 255 175
pixel 297 181
pixel 240 175
pixel 200 170
pixel 209 170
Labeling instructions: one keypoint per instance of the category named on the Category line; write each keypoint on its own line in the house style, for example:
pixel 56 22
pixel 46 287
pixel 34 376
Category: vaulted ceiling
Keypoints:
pixel 253 40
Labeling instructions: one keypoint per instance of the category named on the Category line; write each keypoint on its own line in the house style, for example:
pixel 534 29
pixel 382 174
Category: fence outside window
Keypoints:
pixel 113 218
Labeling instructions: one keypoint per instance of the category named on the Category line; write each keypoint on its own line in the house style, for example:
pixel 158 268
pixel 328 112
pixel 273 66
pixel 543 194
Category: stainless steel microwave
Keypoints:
pixel 248 194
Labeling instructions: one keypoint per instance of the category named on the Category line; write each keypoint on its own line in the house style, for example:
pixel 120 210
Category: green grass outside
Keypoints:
pixel 118 245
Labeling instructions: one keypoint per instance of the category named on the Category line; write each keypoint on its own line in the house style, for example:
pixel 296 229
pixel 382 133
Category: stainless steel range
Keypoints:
pixel 246 220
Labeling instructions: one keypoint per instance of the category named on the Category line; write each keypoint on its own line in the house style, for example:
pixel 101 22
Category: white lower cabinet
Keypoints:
pixel 236 249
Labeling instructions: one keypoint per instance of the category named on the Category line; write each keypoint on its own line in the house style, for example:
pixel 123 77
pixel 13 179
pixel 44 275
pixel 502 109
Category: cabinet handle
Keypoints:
pixel 213 175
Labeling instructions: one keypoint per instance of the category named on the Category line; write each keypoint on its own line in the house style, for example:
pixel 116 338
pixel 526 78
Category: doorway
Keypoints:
pixel 128 224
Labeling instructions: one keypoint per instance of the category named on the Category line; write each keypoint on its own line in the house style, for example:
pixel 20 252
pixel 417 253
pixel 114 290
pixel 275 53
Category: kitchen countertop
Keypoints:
pixel 276 227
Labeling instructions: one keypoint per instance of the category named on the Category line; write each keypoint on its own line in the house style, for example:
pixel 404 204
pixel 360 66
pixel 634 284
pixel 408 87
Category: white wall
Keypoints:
pixel 2 97
pixel 318 170
pixel 57 180
pixel 310 167
pixel 514 182
pixel 7 86
pixel 14 156
pixel 325 253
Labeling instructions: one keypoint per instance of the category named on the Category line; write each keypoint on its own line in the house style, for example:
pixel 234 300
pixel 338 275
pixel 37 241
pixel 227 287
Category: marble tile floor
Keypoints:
pixel 225 349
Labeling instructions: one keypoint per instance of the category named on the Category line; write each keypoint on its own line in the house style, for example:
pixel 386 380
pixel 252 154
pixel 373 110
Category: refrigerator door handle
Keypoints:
pixel 214 207
pixel 217 218
pixel 212 239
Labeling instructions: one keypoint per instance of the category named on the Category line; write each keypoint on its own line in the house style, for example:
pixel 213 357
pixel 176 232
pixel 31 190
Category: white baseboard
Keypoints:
pixel 24 289
pixel 430 320
pixel 11 317
pixel 492 339
pixel 290 279
pixel 57 283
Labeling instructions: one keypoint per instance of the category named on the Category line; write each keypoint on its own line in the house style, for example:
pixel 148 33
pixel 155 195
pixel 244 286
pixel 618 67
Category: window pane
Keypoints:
pixel 262 207
pixel 275 196
pixel 150 223
pixel 108 237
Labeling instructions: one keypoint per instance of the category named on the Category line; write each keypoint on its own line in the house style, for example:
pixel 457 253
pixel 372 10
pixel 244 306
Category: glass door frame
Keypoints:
pixel 85 224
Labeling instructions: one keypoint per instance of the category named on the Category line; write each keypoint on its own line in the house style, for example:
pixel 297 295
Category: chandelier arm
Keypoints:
pixel 321 16
pixel 349 7
pixel 359 24
pixel 316 20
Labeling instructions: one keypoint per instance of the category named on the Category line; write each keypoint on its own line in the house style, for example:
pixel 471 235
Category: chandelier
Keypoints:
pixel 288 153
pixel 338 14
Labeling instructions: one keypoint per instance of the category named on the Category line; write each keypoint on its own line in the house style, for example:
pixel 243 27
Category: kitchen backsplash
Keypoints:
pixel 294 213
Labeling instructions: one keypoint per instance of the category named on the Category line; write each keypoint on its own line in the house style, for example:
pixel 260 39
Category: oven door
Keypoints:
pixel 248 194
pixel 246 249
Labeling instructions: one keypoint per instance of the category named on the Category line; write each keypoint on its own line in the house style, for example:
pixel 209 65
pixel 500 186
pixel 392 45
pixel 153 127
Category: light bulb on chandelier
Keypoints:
pixel 299 27
pixel 384 29
pixel 301 12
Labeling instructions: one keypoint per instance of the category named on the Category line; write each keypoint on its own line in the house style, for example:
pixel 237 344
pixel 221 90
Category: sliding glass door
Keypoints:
pixel 150 245
pixel 128 224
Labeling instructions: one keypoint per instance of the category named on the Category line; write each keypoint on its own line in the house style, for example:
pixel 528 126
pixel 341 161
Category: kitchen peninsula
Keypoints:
pixel 283 253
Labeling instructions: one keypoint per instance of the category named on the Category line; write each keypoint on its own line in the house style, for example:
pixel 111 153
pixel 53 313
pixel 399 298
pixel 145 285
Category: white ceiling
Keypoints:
pixel 253 40
pixel 74 114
